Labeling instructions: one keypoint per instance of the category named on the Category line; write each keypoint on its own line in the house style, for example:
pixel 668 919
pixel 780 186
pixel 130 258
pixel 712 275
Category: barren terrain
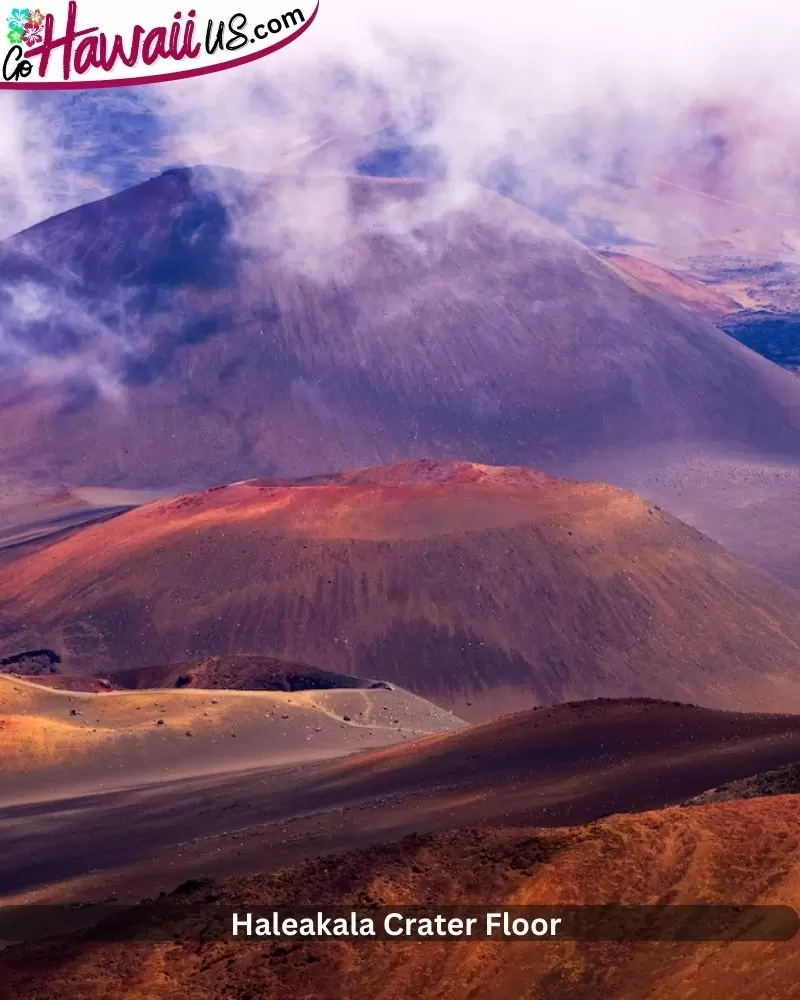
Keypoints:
pixel 669 856
pixel 89 826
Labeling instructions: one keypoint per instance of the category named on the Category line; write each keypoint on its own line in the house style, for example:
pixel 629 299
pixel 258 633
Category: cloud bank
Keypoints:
pixel 479 80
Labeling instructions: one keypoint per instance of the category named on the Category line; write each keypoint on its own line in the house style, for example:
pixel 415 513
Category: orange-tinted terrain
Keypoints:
pixel 481 589
pixel 404 322
pixel 692 293
pixel 671 856
pixel 282 790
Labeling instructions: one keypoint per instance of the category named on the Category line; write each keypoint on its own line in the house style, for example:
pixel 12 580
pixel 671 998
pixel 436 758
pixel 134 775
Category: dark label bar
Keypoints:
pixel 214 921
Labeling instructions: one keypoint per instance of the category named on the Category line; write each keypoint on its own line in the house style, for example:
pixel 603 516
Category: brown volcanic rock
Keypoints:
pixel 781 781
pixel 674 856
pixel 241 673
pixel 479 588
pixel 396 324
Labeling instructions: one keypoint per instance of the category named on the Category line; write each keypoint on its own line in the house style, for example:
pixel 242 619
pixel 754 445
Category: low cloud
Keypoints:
pixel 56 338
pixel 546 103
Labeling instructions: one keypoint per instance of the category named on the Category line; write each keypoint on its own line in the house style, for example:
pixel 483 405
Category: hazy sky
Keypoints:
pixel 482 78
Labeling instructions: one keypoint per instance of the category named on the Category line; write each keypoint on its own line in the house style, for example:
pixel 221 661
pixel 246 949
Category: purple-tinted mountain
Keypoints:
pixel 172 338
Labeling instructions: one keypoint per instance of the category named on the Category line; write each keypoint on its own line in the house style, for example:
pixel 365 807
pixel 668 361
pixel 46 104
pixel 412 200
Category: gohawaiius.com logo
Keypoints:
pixel 96 44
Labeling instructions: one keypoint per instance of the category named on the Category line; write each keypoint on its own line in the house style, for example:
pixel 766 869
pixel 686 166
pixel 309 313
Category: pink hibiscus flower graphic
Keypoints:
pixel 33 34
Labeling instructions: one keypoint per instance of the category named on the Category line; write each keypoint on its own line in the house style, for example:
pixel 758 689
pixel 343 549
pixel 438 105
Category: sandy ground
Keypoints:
pixel 64 743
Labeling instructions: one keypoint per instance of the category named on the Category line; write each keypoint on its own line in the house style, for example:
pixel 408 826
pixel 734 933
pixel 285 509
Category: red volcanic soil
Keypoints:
pixel 482 589
pixel 292 325
pixel 34 519
pixel 691 293
pixel 675 856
